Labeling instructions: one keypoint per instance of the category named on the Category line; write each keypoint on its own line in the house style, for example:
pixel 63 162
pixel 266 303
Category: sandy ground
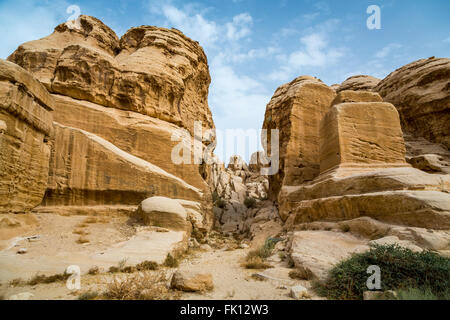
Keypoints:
pixel 112 239
pixel 231 280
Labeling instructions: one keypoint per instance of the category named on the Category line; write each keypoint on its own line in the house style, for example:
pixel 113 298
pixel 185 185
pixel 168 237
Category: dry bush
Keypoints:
pixel 90 220
pixel 39 278
pixel 301 273
pixel 90 295
pixel 141 286
pixel 147 265
pixel 80 232
pixel 94 270
pixel 17 282
pixel 171 262
pixel 255 262
pixel 82 240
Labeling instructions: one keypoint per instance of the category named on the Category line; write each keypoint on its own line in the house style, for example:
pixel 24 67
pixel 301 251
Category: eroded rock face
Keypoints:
pixel 366 134
pixel 296 110
pixel 120 106
pixel 421 93
pixel 360 82
pixel 153 71
pixel 25 127
pixel 164 213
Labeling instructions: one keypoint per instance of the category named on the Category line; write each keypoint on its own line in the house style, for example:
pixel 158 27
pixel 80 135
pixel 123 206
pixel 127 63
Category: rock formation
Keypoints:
pixel 421 93
pixel 360 82
pixel 25 128
pixel 296 110
pixel 364 173
pixel 120 106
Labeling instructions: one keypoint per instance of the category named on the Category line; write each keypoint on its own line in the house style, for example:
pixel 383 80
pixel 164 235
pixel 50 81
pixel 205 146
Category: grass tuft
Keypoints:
pixel 171 262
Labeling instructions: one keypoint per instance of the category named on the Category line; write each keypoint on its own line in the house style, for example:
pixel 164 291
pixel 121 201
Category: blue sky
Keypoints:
pixel 254 46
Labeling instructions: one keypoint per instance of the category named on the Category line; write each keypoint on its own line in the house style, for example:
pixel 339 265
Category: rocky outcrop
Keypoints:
pixel 121 107
pixel 421 93
pixel 360 132
pixel 153 71
pixel 25 128
pixel 192 282
pixel 364 173
pixel 360 82
pixel 296 110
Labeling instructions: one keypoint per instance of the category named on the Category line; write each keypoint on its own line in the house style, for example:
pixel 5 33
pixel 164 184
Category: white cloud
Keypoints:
pixel 383 53
pixel 195 26
pixel 315 53
pixel 239 27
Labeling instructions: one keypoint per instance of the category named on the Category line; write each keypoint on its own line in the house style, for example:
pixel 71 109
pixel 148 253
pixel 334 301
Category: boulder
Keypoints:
pixel 296 110
pixel 191 281
pixel 25 127
pixel 359 82
pixel 421 93
pixel 163 212
pixel 299 292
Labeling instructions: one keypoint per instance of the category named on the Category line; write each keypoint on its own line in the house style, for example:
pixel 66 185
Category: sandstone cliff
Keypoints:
pixel 120 107
pixel 25 128
pixel 421 93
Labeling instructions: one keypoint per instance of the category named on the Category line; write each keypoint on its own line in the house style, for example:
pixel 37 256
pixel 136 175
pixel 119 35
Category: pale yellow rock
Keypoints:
pixel 164 213
pixel 361 134
pixel 360 82
pixel 421 93
pixel 296 110
pixel 153 71
pixel 347 96
pixel 26 124
pixel 191 282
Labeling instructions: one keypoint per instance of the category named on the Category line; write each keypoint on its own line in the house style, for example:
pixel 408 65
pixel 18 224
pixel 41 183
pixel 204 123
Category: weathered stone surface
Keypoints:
pixel 163 212
pixel 25 127
pixel 296 110
pixel 86 169
pixel 421 93
pixel 360 82
pixel 348 96
pixel 361 134
pixel 431 163
pixel 400 195
pixel 319 251
pixel 153 71
pixel 192 282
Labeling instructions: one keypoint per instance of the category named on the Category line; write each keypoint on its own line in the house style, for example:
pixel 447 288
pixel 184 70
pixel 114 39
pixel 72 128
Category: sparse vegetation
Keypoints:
pixel 146 286
pixel 17 282
pixel 82 240
pixel 416 294
pixel 39 278
pixel 171 262
pixel 94 270
pixel 250 202
pixel 255 262
pixel 91 220
pixel 80 232
pixel 147 265
pixel 401 269
pixel 301 273
pixel 256 258
pixel 90 295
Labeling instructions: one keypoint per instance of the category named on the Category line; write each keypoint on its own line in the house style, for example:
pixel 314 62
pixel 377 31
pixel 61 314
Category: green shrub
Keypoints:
pixel 415 294
pixel 250 203
pixel 171 262
pixel 400 269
